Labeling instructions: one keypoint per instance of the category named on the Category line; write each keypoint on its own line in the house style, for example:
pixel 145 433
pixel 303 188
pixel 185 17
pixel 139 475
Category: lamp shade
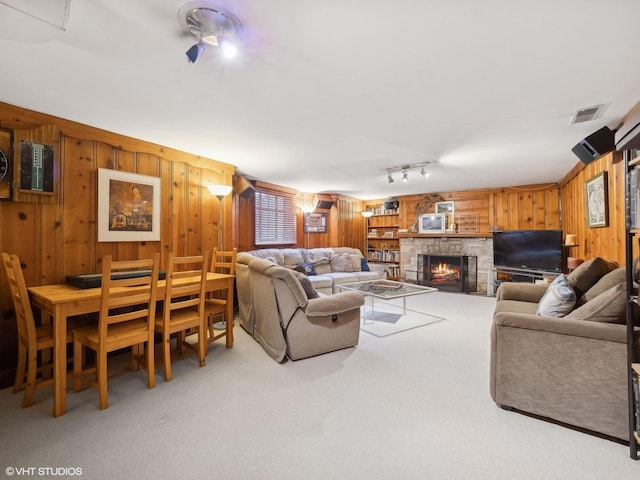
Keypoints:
pixel 220 190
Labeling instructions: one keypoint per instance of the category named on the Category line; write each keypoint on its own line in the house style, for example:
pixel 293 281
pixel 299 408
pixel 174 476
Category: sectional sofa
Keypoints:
pixel 325 267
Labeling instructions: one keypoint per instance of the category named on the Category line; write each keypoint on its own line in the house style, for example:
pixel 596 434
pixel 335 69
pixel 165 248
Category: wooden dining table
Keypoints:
pixel 60 301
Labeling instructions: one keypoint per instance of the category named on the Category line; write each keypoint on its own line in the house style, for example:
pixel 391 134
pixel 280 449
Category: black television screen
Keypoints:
pixel 528 249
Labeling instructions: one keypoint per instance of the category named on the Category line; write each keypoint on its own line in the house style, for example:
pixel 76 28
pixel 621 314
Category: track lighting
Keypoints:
pixel 405 171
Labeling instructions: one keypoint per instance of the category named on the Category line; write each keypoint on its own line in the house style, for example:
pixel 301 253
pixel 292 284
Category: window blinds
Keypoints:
pixel 275 219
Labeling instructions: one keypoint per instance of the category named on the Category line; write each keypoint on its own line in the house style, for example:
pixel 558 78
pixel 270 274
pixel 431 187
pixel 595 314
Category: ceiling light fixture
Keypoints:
pixel 405 171
pixel 210 25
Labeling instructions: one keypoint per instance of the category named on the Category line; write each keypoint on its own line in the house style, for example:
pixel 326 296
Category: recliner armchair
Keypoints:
pixel 276 311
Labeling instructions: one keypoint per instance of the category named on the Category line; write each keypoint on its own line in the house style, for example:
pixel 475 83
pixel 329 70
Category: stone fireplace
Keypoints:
pixel 450 273
pixel 480 247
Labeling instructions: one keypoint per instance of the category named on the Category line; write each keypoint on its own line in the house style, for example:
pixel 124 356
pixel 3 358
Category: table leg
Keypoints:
pixel 60 362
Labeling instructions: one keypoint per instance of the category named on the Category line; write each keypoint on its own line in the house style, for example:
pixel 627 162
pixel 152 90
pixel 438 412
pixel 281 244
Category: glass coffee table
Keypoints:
pixel 385 291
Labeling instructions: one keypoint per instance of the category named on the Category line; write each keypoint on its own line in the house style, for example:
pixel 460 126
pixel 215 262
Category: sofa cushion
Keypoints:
pixel 322 267
pixel 608 307
pixel 588 273
pixel 308 267
pixel 306 285
pixel 356 264
pixel 340 262
pixel 614 277
pixel 316 255
pixel 558 300
pixel 364 266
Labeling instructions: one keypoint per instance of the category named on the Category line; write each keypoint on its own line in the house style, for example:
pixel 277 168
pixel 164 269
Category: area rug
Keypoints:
pixel 386 323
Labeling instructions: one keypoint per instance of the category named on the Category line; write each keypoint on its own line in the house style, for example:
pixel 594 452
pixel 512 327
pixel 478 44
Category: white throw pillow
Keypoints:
pixel 558 300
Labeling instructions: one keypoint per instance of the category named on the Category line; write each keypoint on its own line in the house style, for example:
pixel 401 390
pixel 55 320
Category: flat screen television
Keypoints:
pixel 528 249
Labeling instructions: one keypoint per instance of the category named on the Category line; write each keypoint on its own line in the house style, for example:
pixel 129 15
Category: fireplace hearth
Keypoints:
pixel 451 273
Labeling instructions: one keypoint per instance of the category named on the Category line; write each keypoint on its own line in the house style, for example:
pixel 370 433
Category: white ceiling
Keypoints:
pixel 327 95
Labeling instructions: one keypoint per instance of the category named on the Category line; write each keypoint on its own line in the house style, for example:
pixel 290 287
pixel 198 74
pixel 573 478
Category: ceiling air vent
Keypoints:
pixel 587 114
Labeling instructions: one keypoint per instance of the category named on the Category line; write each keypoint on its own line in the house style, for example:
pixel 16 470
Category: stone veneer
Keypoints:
pixel 479 247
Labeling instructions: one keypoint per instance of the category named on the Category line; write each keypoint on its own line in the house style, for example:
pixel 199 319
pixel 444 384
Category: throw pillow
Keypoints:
pixel 558 299
pixel 614 277
pixel 355 262
pixel 340 262
pixel 588 273
pixel 608 307
pixel 305 283
pixel 308 267
pixel 364 266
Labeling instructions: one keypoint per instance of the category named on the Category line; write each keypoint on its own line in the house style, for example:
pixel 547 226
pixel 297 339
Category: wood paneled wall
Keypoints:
pixel 607 242
pixel 56 235
pixel 528 207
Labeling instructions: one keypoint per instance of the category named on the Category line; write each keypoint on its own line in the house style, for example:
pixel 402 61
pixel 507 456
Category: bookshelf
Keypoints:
pixel 383 244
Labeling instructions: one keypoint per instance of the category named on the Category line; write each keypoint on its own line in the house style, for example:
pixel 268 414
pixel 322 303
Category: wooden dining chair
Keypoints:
pixel 183 309
pixel 127 313
pixel 31 338
pixel 216 302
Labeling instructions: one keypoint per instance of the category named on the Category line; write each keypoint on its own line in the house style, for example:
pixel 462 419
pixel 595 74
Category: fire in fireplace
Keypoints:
pixel 453 273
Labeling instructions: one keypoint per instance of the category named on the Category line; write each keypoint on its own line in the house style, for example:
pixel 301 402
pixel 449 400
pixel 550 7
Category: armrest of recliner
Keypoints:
pixel 521 291
pixel 334 304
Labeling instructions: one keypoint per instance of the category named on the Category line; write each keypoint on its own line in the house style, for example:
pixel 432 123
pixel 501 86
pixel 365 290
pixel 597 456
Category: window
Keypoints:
pixel 275 222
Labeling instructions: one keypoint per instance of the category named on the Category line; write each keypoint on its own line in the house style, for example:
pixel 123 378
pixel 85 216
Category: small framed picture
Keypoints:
pixel 596 201
pixel 448 209
pixel 432 223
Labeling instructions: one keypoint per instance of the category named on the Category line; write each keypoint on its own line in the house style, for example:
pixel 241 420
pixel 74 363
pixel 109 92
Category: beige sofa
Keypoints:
pixel 570 369
pixel 279 313
pixel 327 272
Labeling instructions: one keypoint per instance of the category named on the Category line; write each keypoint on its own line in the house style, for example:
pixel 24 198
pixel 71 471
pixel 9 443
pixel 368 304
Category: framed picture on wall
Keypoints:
pixel 597 201
pixel 315 222
pixel 36 168
pixel 128 207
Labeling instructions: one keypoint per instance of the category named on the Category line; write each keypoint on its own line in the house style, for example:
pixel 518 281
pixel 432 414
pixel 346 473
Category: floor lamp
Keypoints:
pixel 367 214
pixel 220 191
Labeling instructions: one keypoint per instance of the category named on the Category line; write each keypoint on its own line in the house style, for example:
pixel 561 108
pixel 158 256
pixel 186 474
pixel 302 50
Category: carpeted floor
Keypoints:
pixel 410 406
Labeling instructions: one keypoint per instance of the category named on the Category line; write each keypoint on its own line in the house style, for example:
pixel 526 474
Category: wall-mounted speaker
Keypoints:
pixel 595 145
pixel 391 203
pixel 243 187
pixel 322 201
